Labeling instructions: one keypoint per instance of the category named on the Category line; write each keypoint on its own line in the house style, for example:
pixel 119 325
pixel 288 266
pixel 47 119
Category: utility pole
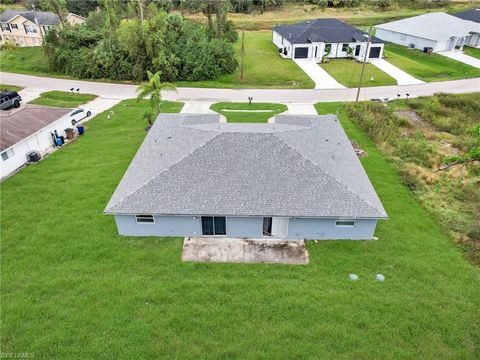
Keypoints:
pixel 364 62
pixel 242 53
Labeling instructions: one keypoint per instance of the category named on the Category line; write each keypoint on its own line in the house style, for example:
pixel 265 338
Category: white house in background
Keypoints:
pixel 25 129
pixel 314 39
pixel 296 178
pixel 432 32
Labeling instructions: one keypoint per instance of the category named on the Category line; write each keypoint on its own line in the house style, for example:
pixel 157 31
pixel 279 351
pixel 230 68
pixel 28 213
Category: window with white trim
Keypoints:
pixel 344 47
pixel 345 222
pixel 30 29
pixel 7 154
pixel 14 26
pixel 145 219
pixel 5 27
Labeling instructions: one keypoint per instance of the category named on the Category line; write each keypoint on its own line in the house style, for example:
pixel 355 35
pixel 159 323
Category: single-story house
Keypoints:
pixel 22 29
pixel 470 15
pixel 433 32
pixel 296 178
pixel 25 129
pixel 332 38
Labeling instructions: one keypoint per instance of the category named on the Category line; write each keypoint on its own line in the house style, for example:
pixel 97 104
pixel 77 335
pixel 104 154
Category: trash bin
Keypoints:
pixel 81 129
pixel 69 133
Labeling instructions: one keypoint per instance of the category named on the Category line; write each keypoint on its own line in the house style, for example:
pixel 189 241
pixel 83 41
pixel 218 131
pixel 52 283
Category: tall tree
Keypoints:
pixel 59 7
pixel 153 88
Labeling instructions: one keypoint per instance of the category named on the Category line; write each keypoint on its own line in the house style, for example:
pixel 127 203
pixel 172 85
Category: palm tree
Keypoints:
pixel 154 88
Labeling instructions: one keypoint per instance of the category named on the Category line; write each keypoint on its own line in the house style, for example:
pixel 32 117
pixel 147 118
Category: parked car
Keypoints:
pixel 9 99
pixel 79 114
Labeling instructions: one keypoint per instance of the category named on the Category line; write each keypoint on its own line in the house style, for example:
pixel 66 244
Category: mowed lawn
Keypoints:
pixel 248 113
pixel 263 67
pixel 72 288
pixel 4 87
pixel 62 99
pixel 347 72
pixel 428 67
pixel 471 51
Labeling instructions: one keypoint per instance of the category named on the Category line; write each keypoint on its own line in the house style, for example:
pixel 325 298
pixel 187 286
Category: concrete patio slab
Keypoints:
pixel 322 79
pixel 399 75
pixel 236 250
pixel 462 57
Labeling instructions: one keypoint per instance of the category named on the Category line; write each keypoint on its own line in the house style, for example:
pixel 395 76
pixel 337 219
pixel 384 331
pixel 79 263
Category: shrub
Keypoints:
pixel 416 149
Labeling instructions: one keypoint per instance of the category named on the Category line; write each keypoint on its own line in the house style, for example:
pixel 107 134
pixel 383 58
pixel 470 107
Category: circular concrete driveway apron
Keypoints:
pixel 124 91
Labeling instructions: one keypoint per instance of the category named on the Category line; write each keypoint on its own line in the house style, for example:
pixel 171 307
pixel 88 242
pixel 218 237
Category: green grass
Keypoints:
pixel 72 288
pixel 263 68
pixel 428 67
pixel 472 51
pixel 4 87
pixel 347 72
pixel 62 99
pixel 248 117
pixel 25 60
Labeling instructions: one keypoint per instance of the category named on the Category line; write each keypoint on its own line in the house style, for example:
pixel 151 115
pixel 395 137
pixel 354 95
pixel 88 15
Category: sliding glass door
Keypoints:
pixel 214 225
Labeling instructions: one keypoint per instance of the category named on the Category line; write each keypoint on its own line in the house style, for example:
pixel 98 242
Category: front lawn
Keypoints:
pixel 471 51
pixel 254 113
pixel 62 99
pixel 263 67
pixel 347 72
pixel 4 87
pixel 428 67
pixel 72 288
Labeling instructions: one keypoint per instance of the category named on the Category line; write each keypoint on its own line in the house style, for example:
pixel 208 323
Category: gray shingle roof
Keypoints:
pixel 435 26
pixel 302 166
pixel 43 17
pixel 472 15
pixel 322 30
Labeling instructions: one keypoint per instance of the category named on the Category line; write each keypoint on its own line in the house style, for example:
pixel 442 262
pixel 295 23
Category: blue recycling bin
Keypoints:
pixel 81 129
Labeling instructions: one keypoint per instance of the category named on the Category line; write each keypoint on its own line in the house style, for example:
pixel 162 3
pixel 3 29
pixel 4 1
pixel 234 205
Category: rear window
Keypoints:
pixel 76 112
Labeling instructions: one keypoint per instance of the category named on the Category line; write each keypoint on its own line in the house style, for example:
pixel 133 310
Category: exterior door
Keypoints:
pixel 214 226
pixel 357 50
pixel 275 226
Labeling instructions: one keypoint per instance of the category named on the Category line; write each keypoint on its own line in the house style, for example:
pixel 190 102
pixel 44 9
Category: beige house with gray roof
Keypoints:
pixel 22 29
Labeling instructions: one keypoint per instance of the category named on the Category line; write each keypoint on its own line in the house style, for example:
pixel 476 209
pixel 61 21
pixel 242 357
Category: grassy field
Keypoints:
pixel 263 67
pixel 25 60
pixel 347 72
pixel 472 51
pixel 72 288
pixel 62 99
pixel 4 87
pixel 361 16
pixel 251 116
pixel 428 67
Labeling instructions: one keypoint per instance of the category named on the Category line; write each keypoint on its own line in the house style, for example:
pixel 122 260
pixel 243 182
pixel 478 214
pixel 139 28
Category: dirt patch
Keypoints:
pixel 412 117
pixel 237 250
pixel 358 150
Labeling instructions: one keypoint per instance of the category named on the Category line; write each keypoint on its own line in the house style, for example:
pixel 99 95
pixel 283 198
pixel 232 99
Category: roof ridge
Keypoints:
pixel 165 170
pixel 332 177
pixel 310 23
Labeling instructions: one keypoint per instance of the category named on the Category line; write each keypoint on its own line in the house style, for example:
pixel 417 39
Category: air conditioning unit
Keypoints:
pixel 411 46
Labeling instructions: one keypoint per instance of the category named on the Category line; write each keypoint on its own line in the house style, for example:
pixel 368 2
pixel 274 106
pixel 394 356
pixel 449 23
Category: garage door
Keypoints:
pixel 374 52
pixel 301 53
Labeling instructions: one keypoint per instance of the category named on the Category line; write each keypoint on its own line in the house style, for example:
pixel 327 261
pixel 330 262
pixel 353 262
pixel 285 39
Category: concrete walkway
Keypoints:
pixel 399 75
pixel 236 250
pixel 322 79
pixel 301 109
pixel 101 104
pixel 124 91
pixel 462 57
pixel 195 107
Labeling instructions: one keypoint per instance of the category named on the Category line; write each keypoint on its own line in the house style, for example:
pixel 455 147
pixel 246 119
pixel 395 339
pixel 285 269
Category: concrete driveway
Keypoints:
pixel 462 57
pixel 322 79
pixel 399 75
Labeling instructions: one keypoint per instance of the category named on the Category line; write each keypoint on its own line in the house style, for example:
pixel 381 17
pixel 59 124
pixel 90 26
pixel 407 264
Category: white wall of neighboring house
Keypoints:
pixel 40 141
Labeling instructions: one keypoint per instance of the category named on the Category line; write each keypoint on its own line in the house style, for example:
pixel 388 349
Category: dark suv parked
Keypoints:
pixel 9 99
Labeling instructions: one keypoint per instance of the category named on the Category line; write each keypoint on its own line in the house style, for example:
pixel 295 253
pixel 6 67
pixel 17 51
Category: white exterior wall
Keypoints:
pixel 246 227
pixel 406 40
pixel 39 141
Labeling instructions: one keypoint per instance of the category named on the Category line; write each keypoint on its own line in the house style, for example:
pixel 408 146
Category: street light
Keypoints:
pixel 369 38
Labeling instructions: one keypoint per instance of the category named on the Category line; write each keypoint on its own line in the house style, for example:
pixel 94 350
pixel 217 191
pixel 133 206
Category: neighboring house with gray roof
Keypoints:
pixel 471 15
pixel 332 38
pixel 297 178
pixel 433 32
pixel 21 28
